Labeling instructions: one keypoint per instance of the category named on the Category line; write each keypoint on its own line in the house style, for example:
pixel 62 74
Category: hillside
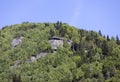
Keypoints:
pixel 57 52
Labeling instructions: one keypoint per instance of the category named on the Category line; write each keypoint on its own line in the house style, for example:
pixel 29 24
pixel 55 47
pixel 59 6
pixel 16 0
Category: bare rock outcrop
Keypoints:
pixel 16 41
pixel 56 42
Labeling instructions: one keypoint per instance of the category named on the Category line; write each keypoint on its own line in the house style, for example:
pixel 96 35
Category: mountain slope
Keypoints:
pixel 57 52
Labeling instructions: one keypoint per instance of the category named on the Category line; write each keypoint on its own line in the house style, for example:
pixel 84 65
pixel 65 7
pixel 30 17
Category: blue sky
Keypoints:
pixel 95 15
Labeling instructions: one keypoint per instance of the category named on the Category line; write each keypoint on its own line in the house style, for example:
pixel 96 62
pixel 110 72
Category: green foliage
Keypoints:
pixel 89 57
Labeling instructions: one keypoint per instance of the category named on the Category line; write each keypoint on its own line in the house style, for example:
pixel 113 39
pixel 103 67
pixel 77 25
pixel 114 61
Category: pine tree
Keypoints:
pixel 108 39
pixel 100 33
pixel 117 40
pixel 105 48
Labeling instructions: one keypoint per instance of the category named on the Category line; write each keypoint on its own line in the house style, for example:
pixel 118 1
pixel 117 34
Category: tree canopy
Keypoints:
pixel 85 56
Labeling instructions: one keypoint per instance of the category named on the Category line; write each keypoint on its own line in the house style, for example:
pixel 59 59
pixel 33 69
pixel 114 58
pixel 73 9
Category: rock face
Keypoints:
pixel 56 42
pixel 29 60
pixel 16 41
pixel 34 58
pixel 69 42
pixel 16 63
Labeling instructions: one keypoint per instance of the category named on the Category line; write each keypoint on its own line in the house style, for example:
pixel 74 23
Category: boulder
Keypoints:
pixel 16 41
pixel 56 42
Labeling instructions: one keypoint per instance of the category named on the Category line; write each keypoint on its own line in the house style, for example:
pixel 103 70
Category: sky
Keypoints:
pixel 94 15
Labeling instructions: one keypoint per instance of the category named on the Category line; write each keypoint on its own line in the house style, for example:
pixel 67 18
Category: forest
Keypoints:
pixel 26 54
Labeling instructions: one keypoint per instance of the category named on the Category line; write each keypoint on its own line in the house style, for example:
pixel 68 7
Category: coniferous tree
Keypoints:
pixel 105 48
pixel 117 40
pixel 100 33
pixel 52 33
pixel 108 39
pixel 16 78
pixel 85 56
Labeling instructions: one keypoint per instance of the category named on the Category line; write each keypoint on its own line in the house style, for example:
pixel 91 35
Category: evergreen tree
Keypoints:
pixel 100 33
pixel 117 40
pixel 83 56
pixel 108 39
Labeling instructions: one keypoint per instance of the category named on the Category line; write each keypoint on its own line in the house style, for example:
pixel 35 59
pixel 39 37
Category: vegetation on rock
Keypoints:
pixel 90 57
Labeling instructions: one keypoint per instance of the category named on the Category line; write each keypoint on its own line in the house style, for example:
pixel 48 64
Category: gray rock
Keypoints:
pixel 16 41
pixel 16 63
pixel 40 55
pixel 56 42
pixel 33 58
pixel 69 42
